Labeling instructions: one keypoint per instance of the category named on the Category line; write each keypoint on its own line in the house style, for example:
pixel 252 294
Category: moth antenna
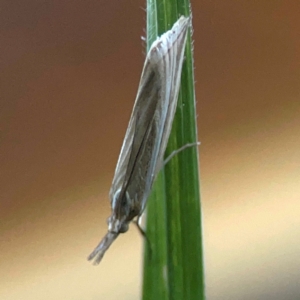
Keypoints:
pixel 102 247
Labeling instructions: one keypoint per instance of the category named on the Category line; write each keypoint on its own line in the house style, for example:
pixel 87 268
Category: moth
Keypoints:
pixel 146 138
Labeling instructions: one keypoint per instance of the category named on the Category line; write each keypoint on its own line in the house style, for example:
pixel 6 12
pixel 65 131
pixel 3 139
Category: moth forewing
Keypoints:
pixel 153 111
pixel 147 134
pixel 172 70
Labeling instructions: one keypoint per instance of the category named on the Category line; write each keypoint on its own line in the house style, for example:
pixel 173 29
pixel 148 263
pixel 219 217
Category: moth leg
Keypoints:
pixel 142 232
pixel 139 227
pixel 179 150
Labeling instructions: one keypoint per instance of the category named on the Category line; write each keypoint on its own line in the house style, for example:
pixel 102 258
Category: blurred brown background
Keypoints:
pixel 69 75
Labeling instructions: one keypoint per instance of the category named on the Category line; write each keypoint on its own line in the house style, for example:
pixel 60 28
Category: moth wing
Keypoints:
pixel 139 124
pixel 172 67
pixel 151 120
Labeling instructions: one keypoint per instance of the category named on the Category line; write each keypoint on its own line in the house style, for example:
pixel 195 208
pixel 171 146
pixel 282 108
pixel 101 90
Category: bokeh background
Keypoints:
pixel 69 75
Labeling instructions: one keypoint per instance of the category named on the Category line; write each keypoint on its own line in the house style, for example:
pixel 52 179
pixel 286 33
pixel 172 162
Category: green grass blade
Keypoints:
pixel 173 267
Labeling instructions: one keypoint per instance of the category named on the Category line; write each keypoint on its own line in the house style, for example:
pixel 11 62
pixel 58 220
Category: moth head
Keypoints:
pixel 119 220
